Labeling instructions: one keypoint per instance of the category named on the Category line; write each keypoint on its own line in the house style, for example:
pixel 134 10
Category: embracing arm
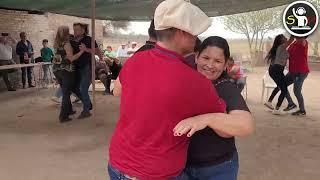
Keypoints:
pixel 69 52
pixel 95 50
pixel 289 42
pixel 237 123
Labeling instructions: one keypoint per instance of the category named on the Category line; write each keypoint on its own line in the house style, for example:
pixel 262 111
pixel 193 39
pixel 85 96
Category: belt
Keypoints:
pixel 129 177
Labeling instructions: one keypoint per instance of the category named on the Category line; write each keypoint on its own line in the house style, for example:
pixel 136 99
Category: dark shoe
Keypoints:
pixel 31 86
pixel 84 114
pixel 11 89
pixel 63 120
pixel 23 86
pixel 299 113
pixel 91 107
pixel 72 112
pixel 290 107
pixel 106 92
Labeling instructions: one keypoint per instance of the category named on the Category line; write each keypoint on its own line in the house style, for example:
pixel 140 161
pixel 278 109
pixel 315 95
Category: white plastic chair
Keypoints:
pixel 245 89
pixel 267 83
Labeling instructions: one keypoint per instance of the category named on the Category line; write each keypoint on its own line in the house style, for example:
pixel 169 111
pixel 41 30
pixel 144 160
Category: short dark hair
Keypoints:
pixel 152 31
pixel 231 59
pixel 84 26
pixel 22 33
pixel 216 41
pixel 45 41
pixel 165 34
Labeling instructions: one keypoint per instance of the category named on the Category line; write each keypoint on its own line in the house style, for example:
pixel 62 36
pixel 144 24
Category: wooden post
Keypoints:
pixel 93 60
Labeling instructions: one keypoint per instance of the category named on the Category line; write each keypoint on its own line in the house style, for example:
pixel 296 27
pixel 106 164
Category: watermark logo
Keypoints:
pixel 300 18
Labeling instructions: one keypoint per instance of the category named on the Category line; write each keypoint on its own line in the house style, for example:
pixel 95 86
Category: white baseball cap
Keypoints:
pixel 181 15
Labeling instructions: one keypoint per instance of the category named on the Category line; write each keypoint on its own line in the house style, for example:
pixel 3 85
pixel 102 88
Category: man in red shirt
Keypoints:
pixel 156 94
pixel 299 69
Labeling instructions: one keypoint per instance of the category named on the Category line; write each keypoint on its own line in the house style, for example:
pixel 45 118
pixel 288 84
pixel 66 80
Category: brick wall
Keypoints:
pixel 39 27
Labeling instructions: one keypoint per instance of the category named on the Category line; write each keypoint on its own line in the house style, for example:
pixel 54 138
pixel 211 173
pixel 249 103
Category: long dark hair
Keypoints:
pixel 215 41
pixel 271 56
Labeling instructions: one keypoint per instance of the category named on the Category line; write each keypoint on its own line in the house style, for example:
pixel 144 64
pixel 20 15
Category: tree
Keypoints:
pixel 254 25
pixel 114 26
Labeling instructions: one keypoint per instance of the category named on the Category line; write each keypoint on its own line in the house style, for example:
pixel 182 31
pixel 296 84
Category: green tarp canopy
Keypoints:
pixel 133 9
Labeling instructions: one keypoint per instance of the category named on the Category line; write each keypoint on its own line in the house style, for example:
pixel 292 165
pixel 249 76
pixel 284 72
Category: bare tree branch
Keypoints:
pixel 254 25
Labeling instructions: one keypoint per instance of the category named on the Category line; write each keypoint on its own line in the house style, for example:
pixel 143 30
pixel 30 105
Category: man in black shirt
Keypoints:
pixel 152 39
pixel 83 65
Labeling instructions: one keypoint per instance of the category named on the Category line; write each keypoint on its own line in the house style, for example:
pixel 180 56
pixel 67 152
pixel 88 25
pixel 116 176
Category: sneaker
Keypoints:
pixel 299 113
pixel 31 86
pixel 56 100
pixel 269 105
pixel 290 107
pixel 11 89
pixel 84 114
pixel 277 112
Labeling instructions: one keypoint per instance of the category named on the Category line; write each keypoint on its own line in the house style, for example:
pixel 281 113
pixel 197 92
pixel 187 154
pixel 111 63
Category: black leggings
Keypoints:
pixel 289 80
pixel 66 80
pixel 276 73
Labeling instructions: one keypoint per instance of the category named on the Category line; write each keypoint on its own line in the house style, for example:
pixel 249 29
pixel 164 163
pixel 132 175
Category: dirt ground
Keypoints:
pixel 35 146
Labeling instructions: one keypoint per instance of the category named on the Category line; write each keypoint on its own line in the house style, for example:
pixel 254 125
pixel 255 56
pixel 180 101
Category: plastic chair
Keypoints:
pixel 267 84
pixel 245 89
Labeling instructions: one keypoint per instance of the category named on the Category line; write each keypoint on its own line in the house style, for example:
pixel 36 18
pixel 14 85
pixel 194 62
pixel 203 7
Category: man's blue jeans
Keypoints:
pixel 225 171
pixel 84 74
pixel 115 174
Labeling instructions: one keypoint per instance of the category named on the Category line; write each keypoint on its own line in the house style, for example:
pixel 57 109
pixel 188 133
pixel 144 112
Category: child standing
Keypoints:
pixel 47 55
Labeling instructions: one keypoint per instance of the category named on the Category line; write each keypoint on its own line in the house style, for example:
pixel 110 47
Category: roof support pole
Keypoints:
pixel 93 61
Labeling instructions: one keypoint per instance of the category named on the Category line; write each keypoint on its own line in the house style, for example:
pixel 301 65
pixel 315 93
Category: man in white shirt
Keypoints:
pixel 122 51
pixel 6 58
pixel 133 49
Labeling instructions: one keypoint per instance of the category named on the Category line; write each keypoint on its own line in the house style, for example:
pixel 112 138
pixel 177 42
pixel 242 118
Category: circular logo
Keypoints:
pixel 300 18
